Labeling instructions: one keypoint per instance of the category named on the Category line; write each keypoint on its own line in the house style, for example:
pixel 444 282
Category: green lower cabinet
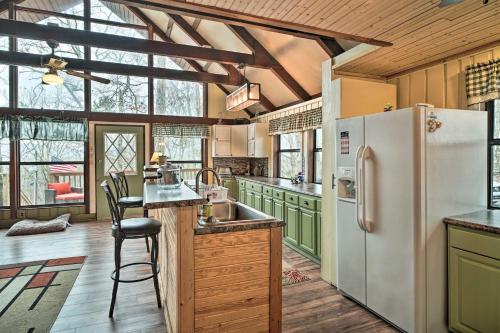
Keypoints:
pixel 292 217
pixel 267 205
pixel 232 187
pixel 249 196
pixel 307 229
pixel 279 210
pixel 242 196
pixel 257 201
pixel 474 291
pixel 318 235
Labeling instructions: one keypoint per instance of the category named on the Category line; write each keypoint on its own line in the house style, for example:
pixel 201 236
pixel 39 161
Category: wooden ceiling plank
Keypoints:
pixel 35 60
pixel 96 39
pixel 253 44
pixel 246 20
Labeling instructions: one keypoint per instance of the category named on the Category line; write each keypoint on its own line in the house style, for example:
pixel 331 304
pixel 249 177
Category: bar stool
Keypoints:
pixel 132 228
pixel 122 194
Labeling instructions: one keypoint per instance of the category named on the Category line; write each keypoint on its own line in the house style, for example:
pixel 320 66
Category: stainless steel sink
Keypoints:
pixel 226 212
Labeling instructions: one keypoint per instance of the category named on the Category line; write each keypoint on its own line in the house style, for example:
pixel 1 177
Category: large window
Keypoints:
pixel 290 155
pixel 185 152
pixel 4 172
pixel 493 108
pixel 317 154
pixel 51 172
pixel 4 70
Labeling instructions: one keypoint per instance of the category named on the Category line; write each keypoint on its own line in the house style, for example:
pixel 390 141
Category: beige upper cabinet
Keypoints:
pixel 241 141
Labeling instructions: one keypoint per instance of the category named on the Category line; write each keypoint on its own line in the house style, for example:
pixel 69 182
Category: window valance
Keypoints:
pixel 181 130
pixel 43 128
pixel 483 81
pixel 297 122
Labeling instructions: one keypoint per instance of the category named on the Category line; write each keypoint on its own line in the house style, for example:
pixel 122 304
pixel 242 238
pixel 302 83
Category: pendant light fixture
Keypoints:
pixel 245 96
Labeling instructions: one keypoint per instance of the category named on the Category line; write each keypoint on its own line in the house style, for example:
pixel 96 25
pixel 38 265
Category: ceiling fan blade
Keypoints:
pixel 88 76
pixel 445 3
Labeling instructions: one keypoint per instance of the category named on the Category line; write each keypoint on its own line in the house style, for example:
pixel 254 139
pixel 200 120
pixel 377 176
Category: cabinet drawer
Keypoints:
pixel 254 187
pixel 241 183
pixel 267 191
pixel 280 195
pixel 307 202
pixel 292 198
pixel 483 243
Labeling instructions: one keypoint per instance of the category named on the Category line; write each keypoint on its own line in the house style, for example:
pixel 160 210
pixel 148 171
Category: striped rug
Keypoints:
pixel 33 293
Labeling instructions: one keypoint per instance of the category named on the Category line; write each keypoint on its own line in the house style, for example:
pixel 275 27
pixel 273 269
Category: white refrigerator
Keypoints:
pixel 399 174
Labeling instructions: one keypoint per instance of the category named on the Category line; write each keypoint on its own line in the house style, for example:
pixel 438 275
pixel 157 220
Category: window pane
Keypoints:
pixel 178 98
pixel 121 57
pixel 4 86
pixel 125 94
pixel 290 164
pixel 495 176
pixel 111 11
pixel 180 149
pixel 496 120
pixel 33 94
pixel 120 153
pixel 291 141
pixel 51 184
pixel 317 166
pixel 51 151
pixel 318 138
pixel 73 7
pixel 4 186
pixel 4 150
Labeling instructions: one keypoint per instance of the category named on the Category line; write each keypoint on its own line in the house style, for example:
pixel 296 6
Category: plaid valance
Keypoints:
pixel 483 81
pixel 181 130
pixel 43 128
pixel 297 122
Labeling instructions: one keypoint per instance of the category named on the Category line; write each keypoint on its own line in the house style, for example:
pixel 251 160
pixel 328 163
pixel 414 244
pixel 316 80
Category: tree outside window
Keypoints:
pixel 290 155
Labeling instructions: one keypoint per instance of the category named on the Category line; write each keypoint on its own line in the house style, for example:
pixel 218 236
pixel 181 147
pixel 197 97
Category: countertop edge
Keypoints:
pixel 181 197
pixel 249 178
pixel 456 221
pixel 235 227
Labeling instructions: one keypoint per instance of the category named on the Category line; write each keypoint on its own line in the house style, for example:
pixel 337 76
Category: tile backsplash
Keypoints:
pixel 242 165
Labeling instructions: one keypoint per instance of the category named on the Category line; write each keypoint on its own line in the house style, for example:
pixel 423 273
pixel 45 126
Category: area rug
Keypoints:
pixel 293 276
pixel 33 293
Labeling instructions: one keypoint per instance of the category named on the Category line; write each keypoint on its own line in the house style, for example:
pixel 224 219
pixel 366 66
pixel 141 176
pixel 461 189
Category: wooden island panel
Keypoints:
pixel 234 283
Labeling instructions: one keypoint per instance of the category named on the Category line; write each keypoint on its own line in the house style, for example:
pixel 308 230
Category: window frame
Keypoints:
pixel 315 150
pixel 492 142
pixel 8 164
pixel 280 151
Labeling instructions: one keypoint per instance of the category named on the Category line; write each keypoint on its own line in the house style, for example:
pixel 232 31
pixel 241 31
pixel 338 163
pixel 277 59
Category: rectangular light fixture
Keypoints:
pixel 243 97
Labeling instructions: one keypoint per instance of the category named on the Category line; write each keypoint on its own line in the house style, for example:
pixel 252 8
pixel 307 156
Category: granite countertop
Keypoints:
pixel 238 226
pixel 286 184
pixel 484 220
pixel 154 197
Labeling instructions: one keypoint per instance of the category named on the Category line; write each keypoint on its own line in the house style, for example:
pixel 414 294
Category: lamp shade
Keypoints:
pixel 155 159
pixel 52 78
pixel 243 97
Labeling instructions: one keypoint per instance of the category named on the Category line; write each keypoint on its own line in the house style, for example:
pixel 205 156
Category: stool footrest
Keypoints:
pixel 136 280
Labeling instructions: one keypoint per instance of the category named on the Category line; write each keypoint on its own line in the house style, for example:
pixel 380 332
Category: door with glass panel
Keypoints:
pixel 118 148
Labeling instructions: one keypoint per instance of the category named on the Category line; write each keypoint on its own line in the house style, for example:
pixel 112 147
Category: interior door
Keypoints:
pixel 118 148
pixel 350 237
pixel 391 197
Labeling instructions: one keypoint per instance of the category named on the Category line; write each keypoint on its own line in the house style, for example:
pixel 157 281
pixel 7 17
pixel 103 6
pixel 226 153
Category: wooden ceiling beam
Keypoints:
pixel 253 44
pixel 246 20
pixel 330 46
pixel 108 41
pixel 34 60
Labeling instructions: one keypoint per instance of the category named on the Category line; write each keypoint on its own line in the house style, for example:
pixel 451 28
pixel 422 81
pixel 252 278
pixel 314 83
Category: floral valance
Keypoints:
pixel 483 81
pixel 297 122
pixel 43 128
pixel 181 130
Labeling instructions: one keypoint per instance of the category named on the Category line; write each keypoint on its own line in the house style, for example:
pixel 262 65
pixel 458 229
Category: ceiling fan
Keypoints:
pixel 57 64
pixel 445 3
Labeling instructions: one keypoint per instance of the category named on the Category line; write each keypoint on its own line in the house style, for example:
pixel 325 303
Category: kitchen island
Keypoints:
pixel 215 277
pixel 474 271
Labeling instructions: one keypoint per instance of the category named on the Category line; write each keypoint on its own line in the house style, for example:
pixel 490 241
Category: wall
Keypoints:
pixel 442 85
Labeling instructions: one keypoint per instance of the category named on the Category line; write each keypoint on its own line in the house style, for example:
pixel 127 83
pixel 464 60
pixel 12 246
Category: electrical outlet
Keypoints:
pixel 21 214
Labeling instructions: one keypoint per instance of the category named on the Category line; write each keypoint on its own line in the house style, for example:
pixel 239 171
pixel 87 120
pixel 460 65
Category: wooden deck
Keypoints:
pixel 311 306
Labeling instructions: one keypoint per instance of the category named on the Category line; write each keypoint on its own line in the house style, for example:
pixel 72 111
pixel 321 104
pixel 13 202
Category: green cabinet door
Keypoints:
pixel 474 283
pixel 292 217
pixel 257 201
pixel 318 235
pixel 307 230
pixel 243 195
pixel 279 210
pixel 267 205
pixel 231 185
pixel 249 199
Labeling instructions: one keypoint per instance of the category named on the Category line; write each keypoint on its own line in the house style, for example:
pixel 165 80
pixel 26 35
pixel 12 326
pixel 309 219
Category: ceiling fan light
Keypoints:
pixel 51 78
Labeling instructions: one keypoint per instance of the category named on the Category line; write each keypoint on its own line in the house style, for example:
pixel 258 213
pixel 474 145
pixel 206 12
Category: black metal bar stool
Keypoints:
pixel 132 228
pixel 124 199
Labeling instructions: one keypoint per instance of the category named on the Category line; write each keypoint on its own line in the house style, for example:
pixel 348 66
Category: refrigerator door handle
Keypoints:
pixel 365 154
pixel 358 179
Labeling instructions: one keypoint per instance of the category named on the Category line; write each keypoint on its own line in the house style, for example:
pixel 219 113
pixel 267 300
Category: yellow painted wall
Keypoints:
pixel 442 85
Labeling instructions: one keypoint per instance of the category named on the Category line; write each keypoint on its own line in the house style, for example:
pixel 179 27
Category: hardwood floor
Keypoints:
pixel 311 306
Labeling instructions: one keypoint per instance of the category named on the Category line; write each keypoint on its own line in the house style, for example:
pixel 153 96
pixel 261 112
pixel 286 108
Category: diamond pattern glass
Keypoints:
pixel 120 153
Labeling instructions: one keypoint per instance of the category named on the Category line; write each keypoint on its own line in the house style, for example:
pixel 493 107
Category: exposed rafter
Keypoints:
pixel 246 20
pixel 108 41
pixel 255 46
pixel 200 40
pixel 330 46
pixel 34 60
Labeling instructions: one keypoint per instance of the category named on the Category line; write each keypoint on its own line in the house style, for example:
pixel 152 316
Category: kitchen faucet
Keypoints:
pixel 201 172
